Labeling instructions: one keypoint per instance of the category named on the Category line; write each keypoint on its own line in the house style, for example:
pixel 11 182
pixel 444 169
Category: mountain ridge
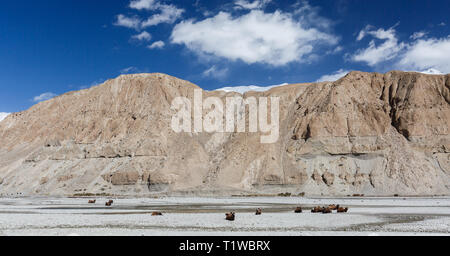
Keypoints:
pixel 367 133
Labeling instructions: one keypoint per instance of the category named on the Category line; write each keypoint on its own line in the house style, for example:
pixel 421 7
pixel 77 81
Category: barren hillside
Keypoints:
pixel 368 133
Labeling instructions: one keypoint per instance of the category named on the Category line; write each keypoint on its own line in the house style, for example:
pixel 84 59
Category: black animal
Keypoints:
pixel 230 216
pixel 317 209
pixel 342 209
pixel 326 210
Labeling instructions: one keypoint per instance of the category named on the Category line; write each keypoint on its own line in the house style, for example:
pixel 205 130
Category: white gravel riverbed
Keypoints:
pixel 205 216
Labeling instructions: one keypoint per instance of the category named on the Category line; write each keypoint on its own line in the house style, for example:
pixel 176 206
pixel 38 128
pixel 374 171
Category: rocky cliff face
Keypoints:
pixel 368 133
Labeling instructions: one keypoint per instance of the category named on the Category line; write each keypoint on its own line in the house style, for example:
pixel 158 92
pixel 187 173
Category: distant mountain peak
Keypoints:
pixel 432 71
pixel 3 116
pixel 249 88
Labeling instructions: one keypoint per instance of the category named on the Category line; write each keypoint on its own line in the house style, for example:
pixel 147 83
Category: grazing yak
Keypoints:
pixel 258 211
pixel 298 210
pixel 333 207
pixel 109 203
pixel 230 216
pixel 317 209
pixel 92 201
pixel 342 209
pixel 326 210
pixel 157 214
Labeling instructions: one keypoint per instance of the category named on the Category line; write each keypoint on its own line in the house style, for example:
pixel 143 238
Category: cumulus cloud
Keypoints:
pixel 335 50
pixel 143 4
pixel 377 53
pixel 257 4
pixel 363 32
pixel 309 15
pixel 215 72
pixel 157 45
pixel 256 37
pixel 425 54
pixel 128 22
pixel 418 35
pixel 163 13
pixel 44 97
pixel 334 76
pixel 168 14
pixel 144 36
pixel 3 115
pixel 421 54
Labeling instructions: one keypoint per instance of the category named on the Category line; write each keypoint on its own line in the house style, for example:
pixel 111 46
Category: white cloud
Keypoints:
pixel 309 15
pixel 143 4
pixel 337 50
pixel 169 14
pixel 3 115
pixel 257 4
pixel 216 72
pixel 157 45
pixel 363 32
pixel 144 36
pixel 375 54
pixel 128 22
pixel 334 76
pixel 426 54
pixel 421 54
pixel 253 88
pixel 128 70
pixel 418 35
pixel 44 97
pixel 256 37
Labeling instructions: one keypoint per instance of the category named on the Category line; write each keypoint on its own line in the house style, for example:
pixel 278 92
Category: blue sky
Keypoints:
pixel 50 47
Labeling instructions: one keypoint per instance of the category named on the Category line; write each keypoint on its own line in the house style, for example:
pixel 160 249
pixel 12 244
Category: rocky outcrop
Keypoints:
pixel 368 133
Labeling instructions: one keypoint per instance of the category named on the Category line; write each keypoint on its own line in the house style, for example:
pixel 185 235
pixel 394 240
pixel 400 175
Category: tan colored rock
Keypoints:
pixel 43 181
pixel 65 178
pixel 368 133
pixel 328 178
pixel 128 177
pixel 360 179
pixel 317 177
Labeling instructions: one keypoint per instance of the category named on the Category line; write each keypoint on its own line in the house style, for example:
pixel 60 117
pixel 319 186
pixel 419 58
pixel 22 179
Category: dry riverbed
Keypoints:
pixel 206 216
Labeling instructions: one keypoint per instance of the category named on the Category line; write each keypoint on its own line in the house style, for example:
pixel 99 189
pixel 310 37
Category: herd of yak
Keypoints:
pixel 325 210
pixel 232 215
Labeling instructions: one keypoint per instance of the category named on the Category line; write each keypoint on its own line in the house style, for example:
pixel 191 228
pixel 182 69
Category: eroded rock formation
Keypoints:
pixel 368 133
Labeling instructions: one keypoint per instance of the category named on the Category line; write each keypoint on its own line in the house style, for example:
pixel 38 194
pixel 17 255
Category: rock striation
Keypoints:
pixel 367 133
